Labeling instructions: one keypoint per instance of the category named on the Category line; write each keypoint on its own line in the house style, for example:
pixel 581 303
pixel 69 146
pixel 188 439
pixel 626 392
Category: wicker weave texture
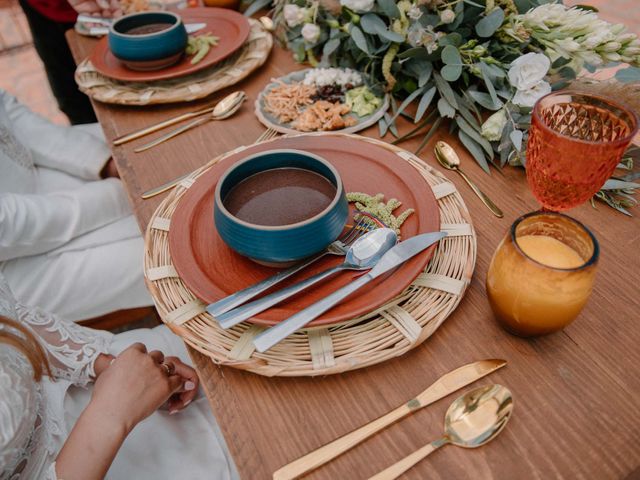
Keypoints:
pixel 390 331
pixel 183 89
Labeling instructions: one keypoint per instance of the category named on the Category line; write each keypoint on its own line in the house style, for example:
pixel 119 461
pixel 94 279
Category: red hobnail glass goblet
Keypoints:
pixel 575 142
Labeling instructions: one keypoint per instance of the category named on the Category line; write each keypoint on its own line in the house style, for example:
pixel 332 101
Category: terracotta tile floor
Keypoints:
pixel 22 74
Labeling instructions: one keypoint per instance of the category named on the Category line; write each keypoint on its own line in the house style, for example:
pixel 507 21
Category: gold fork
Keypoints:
pixel 268 134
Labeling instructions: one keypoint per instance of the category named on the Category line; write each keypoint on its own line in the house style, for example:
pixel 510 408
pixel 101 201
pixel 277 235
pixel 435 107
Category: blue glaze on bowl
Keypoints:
pixel 286 243
pixel 150 46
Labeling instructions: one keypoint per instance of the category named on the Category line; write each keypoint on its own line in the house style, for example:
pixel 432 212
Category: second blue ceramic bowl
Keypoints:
pixel 150 51
pixel 278 245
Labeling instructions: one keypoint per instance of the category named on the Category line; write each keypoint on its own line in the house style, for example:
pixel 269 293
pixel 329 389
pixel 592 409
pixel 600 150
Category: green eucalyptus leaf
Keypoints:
pixel 451 73
pixel 474 149
pixel 391 124
pixel 417 52
pixel 613 184
pixel 425 101
pixel 407 101
pixel 454 39
pixel 568 73
pixel 256 5
pixel 425 75
pixel 628 75
pixel 359 39
pixel 516 139
pixel 372 23
pixel 485 100
pixel 488 25
pixel 391 36
pixel 450 55
pixel 445 89
pixel 494 71
pixel 445 109
pixel 487 81
pixel 330 46
pixel 427 20
pixel 473 133
pixel 560 62
pixel 389 8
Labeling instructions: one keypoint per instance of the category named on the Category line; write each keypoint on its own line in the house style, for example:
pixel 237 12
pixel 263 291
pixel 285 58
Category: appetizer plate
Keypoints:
pixel 270 121
pixel 231 28
pixel 212 270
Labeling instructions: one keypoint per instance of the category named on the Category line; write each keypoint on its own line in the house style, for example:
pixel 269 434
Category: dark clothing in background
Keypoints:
pixel 51 45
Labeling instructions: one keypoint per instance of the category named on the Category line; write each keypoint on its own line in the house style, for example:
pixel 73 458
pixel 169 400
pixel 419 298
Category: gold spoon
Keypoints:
pixel 448 158
pixel 167 123
pixel 223 109
pixel 472 420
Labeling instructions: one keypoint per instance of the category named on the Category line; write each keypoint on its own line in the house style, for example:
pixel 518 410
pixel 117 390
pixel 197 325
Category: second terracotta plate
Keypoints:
pixel 212 270
pixel 231 28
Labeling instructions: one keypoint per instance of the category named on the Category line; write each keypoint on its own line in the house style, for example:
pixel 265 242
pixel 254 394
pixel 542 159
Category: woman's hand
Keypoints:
pixel 136 384
pixel 128 389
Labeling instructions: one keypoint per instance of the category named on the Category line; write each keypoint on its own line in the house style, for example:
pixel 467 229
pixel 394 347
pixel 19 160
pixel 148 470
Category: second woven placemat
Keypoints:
pixel 183 89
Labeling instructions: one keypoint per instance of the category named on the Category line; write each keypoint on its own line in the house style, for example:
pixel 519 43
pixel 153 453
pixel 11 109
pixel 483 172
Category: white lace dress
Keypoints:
pixel 35 418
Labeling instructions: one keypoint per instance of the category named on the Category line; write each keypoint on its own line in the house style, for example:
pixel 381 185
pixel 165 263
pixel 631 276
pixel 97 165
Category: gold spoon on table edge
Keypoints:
pixel 471 421
pixel 448 158
pixel 224 109
pixel 170 121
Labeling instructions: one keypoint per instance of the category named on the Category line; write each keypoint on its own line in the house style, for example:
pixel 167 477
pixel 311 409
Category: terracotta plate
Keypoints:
pixel 212 270
pixel 232 29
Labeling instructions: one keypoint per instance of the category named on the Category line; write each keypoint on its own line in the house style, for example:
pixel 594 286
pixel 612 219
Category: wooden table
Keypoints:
pixel 577 393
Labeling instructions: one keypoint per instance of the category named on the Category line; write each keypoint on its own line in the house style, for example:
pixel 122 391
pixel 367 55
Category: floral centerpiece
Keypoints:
pixel 480 63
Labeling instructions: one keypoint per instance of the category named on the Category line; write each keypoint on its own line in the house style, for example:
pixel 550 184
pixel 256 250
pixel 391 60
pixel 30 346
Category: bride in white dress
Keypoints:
pixel 61 426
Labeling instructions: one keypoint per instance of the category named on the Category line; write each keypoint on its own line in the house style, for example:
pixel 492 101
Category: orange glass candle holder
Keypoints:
pixel 575 142
pixel 540 285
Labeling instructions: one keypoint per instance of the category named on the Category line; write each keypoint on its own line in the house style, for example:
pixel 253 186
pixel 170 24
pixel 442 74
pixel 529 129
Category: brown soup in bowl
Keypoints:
pixel 148 28
pixel 280 196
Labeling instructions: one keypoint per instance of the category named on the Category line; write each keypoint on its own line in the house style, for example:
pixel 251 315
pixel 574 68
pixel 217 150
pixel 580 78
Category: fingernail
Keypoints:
pixel 171 412
pixel 189 385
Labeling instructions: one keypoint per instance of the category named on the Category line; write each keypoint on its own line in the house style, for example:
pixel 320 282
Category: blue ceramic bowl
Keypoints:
pixel 278 245
pixel 149 51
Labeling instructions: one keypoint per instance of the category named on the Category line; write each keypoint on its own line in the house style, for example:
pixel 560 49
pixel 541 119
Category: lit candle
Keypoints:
pixel 541 274
pixel 549 251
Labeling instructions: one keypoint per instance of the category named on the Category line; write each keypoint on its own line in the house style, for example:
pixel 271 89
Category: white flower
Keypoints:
pixel 528 70
pixel 310 32
pixel 447 16
pixel 414 12
pixel 359 6
pixel 528 97
pixel 418 36
pixel 492 128
pixel 294 15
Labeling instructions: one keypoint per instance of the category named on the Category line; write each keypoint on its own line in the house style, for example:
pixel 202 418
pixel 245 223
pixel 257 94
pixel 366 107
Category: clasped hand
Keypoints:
pixel 132 386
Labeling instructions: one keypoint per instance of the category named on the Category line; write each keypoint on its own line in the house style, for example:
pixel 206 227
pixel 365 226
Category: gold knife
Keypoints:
pixel 445 385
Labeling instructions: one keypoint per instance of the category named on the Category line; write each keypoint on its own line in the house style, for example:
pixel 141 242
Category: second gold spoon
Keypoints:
pixel 472 420
pixel 448 158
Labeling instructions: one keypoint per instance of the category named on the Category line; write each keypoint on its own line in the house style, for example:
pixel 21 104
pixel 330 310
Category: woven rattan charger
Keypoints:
pixel 389 331
pixel 183 89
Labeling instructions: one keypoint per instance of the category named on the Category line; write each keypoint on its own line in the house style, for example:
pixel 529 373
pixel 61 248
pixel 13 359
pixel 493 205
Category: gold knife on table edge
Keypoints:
pixel 445 385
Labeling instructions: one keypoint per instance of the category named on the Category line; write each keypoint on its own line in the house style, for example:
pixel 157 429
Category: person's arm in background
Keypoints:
pixel 70 149
pixel 31 224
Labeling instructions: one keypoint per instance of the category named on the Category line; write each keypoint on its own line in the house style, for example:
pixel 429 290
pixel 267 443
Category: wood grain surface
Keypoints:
pixel 576 393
